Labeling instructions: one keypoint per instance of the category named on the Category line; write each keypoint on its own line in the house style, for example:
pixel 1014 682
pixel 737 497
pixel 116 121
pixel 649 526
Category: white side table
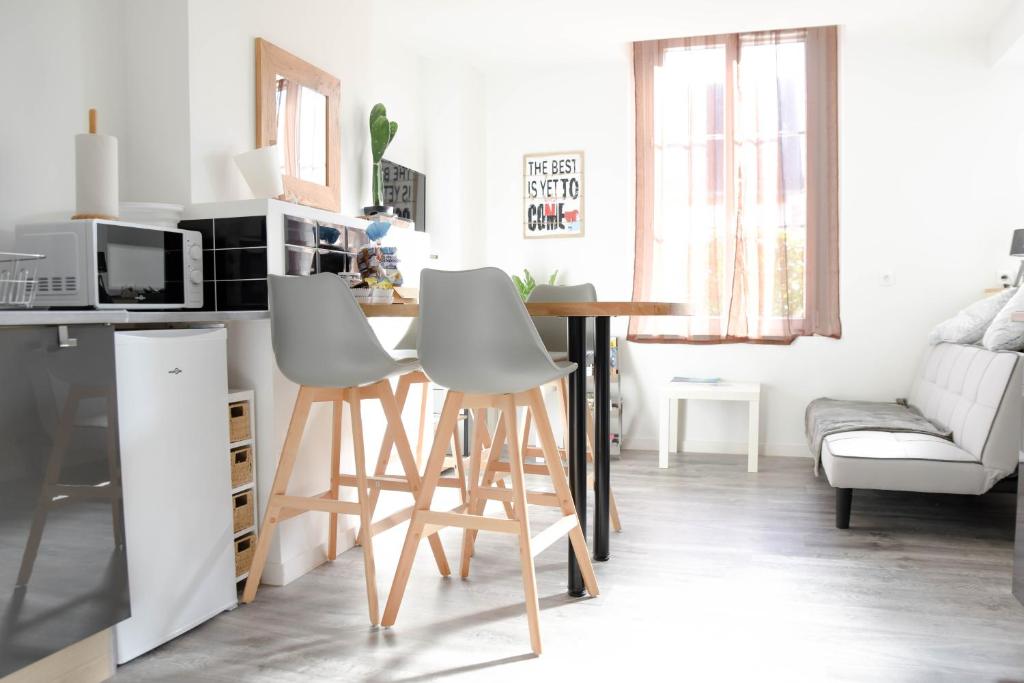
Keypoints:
pixel 668 438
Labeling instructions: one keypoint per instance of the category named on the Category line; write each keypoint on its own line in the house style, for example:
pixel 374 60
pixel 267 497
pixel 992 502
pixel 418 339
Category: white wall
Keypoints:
pixel 931 184
pixel 156 102
pixel 60 58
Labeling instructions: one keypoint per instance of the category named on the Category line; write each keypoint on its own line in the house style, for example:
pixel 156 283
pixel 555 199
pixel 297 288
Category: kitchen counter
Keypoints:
pixel 122 317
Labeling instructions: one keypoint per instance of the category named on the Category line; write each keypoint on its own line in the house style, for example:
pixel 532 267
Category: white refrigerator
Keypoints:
pixel 176 473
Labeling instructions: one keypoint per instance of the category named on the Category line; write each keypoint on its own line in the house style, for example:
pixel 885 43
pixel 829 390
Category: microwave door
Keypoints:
pixel 137 267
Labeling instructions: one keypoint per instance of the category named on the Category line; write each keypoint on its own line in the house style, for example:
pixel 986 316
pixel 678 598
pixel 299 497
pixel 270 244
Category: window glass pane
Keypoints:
pixel 690 175
pixel 771 158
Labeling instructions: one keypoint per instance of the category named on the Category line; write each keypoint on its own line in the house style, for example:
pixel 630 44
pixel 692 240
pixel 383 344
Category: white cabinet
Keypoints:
pixel 171 391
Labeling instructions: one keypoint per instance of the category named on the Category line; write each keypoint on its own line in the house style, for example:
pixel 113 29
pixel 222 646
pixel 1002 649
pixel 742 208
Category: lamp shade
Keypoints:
pixel 261 169
pixel 1017 246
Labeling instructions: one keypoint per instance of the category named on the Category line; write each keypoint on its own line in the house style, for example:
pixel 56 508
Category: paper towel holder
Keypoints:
pixel 96 175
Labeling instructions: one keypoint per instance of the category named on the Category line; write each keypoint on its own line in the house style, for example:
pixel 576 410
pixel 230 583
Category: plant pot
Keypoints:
pixel 378 211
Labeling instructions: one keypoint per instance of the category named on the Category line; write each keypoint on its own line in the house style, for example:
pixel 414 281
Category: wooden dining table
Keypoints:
pixel 576 314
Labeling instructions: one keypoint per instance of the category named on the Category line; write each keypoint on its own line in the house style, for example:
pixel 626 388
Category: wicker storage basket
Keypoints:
pixel 244 548
pixel 238 418
pixel 241 466
pixel 243 510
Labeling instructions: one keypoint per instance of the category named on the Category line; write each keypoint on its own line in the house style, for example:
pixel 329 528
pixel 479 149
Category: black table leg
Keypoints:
pixel 602 463
pixel 577 441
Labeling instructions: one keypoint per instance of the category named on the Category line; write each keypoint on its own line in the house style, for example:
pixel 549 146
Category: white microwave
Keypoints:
pixel 112 264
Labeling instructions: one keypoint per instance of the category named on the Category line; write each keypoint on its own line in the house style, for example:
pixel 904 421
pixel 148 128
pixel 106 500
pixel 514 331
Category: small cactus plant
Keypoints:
pixel 382 132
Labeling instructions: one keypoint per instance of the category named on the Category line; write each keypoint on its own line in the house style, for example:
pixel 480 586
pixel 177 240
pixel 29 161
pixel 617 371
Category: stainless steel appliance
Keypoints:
pixel 113 264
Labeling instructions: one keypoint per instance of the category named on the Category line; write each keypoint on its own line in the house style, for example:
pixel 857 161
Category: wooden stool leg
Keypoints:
pixel 561 484
pixel 300 413
pixel 449 417
pixel 613 510
pixel 365 520
pixel 332 534
pixel 522 516
pixel 460 466
pixel 424 400
pixel 562 389
pixel 473 500
pixel 397 434
pixel 489 476
pixel 527 424
pixel 386 444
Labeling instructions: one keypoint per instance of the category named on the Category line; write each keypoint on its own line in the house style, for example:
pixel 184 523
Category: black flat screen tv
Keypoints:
pixel 406 190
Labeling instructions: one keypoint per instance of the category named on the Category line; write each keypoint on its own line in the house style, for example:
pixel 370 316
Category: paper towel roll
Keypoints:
pixel 95 176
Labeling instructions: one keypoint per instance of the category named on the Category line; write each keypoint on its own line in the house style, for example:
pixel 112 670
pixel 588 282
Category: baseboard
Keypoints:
pixel 87 661
pixel 789 450
pixel 283 573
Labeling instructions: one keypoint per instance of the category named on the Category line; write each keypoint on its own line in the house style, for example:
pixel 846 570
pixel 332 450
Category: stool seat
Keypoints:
pixel 321 337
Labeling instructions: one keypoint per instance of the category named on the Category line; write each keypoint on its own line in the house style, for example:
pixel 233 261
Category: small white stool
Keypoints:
pixel 668 428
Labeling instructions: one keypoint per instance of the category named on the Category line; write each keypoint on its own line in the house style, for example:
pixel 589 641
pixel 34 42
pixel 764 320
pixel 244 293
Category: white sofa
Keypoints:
pixel 973 392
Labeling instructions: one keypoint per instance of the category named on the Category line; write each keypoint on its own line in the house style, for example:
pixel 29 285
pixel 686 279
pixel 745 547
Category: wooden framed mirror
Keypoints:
pixel 297 109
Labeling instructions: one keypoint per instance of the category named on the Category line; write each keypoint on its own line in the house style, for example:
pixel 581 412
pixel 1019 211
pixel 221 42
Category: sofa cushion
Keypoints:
pixel 961 388
pixel 969 325
pixel 1004 334
pixel 902 462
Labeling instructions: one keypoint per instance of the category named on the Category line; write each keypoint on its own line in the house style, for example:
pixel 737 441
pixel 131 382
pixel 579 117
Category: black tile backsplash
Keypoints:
pixel 203 226
pixel 247 231
pixel 241 264
pixel 209 295
pixel 242 295
pixel 208 269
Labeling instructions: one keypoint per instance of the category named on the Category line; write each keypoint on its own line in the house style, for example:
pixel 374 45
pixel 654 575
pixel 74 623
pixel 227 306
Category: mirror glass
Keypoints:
pixel 302 131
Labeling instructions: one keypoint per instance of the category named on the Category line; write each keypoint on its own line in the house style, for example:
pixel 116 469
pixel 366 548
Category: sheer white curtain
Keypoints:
pixel 722 190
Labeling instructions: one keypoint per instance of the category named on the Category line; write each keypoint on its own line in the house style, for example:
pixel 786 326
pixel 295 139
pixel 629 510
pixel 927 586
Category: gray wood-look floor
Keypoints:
pixel 718 575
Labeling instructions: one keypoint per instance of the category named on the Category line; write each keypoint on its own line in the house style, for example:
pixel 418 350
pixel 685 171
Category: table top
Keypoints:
pixel 562 309
pixel 723 391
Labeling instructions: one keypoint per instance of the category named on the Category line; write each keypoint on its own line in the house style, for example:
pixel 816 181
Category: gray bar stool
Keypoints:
pixel 324 343
pixel 477 340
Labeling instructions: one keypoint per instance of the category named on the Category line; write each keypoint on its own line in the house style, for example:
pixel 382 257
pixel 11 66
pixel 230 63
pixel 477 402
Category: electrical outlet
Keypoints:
pixel 887 279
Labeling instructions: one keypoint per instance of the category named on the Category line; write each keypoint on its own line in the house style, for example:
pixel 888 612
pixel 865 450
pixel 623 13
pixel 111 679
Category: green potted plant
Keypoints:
pixel 382 132
pixel 526 284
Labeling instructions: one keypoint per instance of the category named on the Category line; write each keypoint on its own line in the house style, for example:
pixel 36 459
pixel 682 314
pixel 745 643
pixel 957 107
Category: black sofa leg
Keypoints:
pixel 844 497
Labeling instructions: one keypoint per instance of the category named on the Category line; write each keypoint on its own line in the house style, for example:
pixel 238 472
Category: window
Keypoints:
pixel 737 192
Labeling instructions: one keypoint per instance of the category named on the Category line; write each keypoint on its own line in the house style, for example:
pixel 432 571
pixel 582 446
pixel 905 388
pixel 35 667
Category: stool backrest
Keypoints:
pixel 475 335
pixel 553 330
pixel 320 335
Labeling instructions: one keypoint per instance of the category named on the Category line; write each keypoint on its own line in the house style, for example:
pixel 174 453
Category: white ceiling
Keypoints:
pixel 505 33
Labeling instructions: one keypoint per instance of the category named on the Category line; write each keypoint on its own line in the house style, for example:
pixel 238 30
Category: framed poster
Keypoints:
pixel 553 195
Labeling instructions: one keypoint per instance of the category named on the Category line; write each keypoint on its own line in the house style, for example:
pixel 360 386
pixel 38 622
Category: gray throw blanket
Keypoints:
pixel 826 416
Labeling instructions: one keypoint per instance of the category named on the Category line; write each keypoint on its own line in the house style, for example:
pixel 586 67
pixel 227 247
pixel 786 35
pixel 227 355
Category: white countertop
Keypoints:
pixel 1018 317
pixel 122 317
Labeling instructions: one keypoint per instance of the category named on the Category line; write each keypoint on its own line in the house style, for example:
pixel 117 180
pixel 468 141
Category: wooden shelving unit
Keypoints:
pixel 242 452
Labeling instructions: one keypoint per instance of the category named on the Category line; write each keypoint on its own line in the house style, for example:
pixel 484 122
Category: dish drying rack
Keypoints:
pixel 18 282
